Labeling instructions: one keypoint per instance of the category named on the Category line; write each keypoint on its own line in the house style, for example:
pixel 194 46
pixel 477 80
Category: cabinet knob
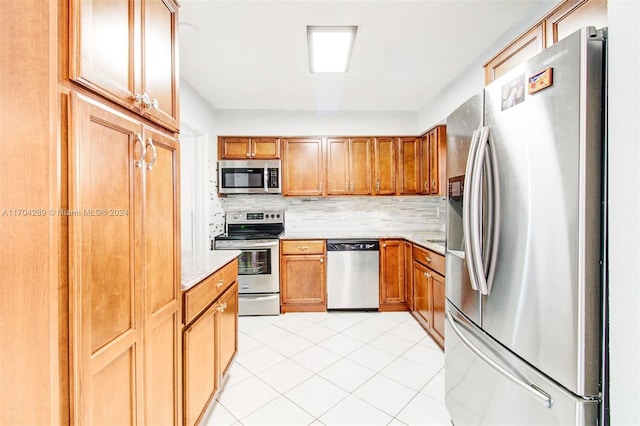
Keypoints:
pixel 384 245
pixel 322 260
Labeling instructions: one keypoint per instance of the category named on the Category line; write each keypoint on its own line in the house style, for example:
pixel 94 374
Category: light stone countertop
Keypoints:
pixel 198 266
pixel 432 240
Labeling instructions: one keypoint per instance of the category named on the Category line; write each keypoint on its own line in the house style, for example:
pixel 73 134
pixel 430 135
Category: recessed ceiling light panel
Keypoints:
pixel 330 47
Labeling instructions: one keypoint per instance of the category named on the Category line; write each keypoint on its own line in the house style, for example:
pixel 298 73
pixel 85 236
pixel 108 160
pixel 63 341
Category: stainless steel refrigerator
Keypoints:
pixel 525 250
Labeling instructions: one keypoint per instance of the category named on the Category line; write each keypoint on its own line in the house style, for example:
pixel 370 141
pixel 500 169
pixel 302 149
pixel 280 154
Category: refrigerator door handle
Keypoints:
pixel 484 259
pixel 529 387
pixel 467 202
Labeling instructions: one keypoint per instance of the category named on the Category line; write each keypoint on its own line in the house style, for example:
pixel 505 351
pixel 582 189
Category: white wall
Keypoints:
pixel 197 114
pixel 307 123
pixel 624 213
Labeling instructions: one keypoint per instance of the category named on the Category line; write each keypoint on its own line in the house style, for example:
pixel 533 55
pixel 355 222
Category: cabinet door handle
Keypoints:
pixel 434 184
pixel 346 186
pixel 140 162
pixel 155 154
pixel 351 186
pixel 427 274
pixel 146 100
pixel 426 185
pixel 378 186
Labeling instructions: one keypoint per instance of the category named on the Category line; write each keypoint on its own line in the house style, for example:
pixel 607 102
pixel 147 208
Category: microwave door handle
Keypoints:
pixel 266 177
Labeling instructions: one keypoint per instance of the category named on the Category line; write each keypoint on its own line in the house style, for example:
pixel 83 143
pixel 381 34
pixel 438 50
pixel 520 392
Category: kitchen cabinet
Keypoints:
pixel 572 15
pixel 393 291
pixel 563 20
pixel 408 166
pixel 210 338
pixel 429 291
pixel 433 160
pixel 349 166
pixel 522 49
pixel 384 168
pixel 303 283
pixel 242 148
pixel 124 278
pixel 302 166
pixel 408 274
pixel 126 51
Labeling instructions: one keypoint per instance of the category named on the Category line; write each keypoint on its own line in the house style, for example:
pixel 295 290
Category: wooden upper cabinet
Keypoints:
pixel 302 166
pixel 573 15
pixel 349 166
pixel 524 48
pixel 437 160
pixel 242 148
pixel 384 168
pixel 126 51
pixel 565 19
pixel 408 170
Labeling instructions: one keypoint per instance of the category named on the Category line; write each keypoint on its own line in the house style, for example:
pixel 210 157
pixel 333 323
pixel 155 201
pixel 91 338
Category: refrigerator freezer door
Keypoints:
pixel 545 300
pixel 462 124
pixel 505 390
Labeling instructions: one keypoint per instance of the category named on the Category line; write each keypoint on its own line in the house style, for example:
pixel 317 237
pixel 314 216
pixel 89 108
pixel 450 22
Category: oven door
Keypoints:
pixel 258 264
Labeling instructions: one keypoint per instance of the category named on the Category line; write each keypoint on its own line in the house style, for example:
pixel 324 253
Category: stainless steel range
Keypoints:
pixel 256 235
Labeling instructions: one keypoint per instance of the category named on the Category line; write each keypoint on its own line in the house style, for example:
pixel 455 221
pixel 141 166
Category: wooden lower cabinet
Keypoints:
pixel 303 276
pixel 429 292
pixel 393 286
pixel 210 343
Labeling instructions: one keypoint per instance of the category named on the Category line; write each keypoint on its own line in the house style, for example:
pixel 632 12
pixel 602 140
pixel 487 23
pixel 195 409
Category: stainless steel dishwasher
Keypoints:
pixel 353 274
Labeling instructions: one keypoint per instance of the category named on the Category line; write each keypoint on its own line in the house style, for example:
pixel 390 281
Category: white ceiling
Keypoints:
pixel 253 54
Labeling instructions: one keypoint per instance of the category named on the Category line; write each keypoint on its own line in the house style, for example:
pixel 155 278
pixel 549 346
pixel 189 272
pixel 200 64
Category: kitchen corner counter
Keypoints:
pixel 198 266
pixel 432 240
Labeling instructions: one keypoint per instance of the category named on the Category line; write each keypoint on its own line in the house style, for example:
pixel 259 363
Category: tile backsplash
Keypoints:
pixel 351 213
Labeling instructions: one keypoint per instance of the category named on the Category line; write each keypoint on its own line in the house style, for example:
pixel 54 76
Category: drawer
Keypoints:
pixel 429 259
pixel 302 246
pixel 200 296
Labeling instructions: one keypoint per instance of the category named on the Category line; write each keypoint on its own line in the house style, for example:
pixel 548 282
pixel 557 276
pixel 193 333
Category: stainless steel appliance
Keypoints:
pixel 249 177
pixel 353 274
pixel 525 243
pixel 255 234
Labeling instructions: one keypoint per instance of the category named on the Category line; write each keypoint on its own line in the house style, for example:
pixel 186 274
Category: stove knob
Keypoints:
pixel 278 215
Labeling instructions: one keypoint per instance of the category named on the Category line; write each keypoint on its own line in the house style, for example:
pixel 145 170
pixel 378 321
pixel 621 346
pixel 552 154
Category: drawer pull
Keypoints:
pixel 219 284
pixel 303 248
pixel 428 259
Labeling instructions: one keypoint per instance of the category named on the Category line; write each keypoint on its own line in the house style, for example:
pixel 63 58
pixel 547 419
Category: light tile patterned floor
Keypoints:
pixel 338 368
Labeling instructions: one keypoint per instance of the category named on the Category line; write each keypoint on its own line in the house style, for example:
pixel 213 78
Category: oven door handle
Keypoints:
pixel 246 244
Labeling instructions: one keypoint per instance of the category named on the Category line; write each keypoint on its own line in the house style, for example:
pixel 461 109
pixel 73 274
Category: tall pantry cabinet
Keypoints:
pixel 89 114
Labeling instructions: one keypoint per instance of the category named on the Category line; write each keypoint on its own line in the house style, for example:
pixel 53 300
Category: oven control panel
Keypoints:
pixel 275 216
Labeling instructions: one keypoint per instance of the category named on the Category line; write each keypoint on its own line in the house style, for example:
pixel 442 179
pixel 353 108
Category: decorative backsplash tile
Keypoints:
pixel 405 213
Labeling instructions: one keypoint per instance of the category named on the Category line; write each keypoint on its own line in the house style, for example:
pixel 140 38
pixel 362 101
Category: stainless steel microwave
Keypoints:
pixel 249 177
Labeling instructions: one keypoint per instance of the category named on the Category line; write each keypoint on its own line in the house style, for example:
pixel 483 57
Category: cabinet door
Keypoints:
pixel 103 48
pixel 392 277
pixel 105 281
pixel 573 15
pixel 438 160
pixel 425 164
pixel 234 148
pixel 227 328
pixel 162 280
pixel 265 148
pixel 438 302
pixel 525 47
pixel 302 165
pixel 421 277
pixel 385 166
pixel 408 271
pixel 200 369
pixel 360 168
pixel 338 178
pixel 159 60
pixel 409 163
pixel 303 287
